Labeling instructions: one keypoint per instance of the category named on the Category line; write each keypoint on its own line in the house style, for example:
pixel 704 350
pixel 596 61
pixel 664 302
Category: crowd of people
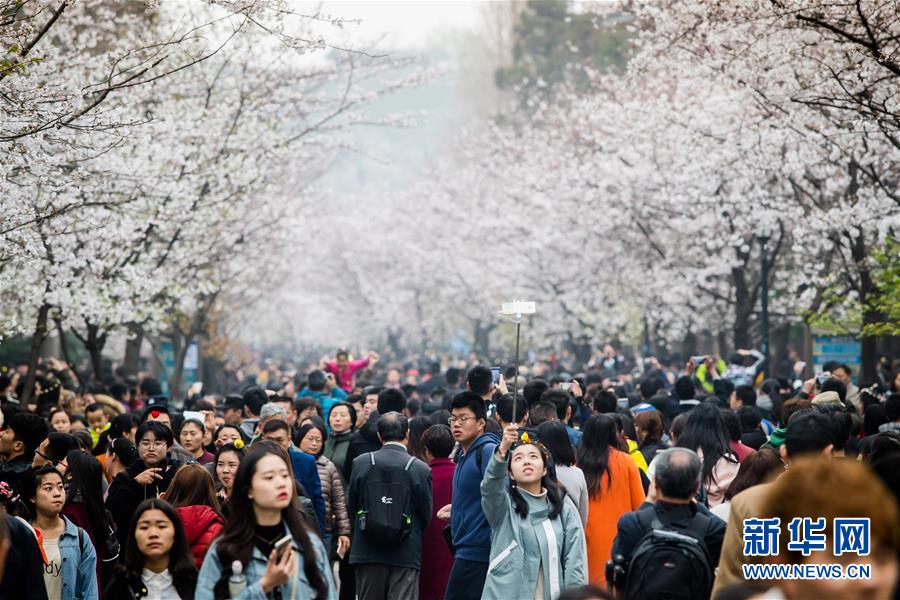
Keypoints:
pixel 359 479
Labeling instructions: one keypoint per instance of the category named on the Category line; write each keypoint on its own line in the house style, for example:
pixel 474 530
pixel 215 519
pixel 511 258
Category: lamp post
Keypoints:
pixel 763 238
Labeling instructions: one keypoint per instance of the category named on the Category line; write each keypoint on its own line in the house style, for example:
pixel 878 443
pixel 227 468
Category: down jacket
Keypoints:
pixel 201 526
pixel 336 520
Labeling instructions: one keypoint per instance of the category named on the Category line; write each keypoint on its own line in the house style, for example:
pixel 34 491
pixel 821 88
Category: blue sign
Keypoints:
pixel 189 367
pixel 844 349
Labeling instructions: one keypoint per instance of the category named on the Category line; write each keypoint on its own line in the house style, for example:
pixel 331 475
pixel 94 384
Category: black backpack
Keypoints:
pixel 677 559
pixel 384 518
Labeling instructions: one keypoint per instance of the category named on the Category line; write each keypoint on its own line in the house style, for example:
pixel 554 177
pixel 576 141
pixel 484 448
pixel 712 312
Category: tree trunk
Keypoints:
pixel 213 376
pixel 64 349
pixel 482 339
pixel 132 361
pixel 779 349
pixel 94 344
pixel 868 369
pixel 743 309
pixel 689 345
pixel 722 342
pixel 179 349
pixel 40 333
pixel 393 341
pixel 423 329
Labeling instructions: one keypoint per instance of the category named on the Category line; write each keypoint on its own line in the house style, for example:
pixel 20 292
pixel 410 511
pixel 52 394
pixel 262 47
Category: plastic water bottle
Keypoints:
pixel 237 583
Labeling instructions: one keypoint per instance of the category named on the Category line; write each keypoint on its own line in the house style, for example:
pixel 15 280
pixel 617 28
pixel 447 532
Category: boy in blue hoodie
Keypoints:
pixel 471 532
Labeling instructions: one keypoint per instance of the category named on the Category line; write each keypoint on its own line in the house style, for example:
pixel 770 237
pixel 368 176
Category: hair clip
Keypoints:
pixel 238 444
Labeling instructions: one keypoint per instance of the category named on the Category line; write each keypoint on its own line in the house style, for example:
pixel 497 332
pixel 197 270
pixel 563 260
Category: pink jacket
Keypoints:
pixel 344 374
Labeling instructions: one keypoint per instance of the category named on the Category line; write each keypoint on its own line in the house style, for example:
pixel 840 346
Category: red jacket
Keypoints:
pixel 201 526
pixel 436 557
pixel 740 450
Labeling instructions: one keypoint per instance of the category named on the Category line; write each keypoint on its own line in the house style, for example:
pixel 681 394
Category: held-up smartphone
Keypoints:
pixel 566 386
pixel 282 545
pixel 495 375
pixel 699 360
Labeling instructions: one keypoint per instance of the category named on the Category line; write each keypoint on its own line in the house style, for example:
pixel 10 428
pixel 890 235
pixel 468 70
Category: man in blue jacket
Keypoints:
pixel 471 532
pixel 304 465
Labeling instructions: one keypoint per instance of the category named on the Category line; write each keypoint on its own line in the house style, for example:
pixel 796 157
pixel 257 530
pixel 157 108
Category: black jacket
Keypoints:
pixel 125 493
pixel 132 588
pixel 13 471
pixel 649 450
pixel 364 439
pixel 23 576
pixel 677 516
pixel 407 554
pixel 754 439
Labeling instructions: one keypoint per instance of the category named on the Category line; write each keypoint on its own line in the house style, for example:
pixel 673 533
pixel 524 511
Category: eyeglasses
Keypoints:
pixel 461 420
pixel 42 455
pixel 149 444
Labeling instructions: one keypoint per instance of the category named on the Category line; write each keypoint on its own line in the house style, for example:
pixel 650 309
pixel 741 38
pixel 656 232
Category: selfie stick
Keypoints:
pixel 513 311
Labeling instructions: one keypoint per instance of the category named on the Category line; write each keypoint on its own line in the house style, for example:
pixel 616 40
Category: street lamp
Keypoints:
pixel 763 236
pixel 513 311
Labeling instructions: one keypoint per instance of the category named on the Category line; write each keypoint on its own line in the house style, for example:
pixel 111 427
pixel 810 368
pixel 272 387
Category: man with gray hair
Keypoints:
pixel 677 479
pixel 390 499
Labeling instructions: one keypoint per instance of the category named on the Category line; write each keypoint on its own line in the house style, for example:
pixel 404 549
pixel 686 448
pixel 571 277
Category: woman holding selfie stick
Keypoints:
pixel 265 545
pixel 537 541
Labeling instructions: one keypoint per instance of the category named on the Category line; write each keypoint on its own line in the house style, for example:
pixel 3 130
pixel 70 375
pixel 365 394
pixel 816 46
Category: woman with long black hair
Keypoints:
pixel 228 459
pixel 613 485
pixel 537 543
pixel 158 563
pixel 555 438
pixel 264 509
pixel 84 507
pixel 706 434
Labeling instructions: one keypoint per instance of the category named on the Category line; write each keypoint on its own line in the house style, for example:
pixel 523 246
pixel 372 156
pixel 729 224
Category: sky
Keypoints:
pixel 413 28
pixel 409 25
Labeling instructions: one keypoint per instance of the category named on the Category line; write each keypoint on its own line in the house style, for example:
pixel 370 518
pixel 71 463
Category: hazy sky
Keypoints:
pixel 405 25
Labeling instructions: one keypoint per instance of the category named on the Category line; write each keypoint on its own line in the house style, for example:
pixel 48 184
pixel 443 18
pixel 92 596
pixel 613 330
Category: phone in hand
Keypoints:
pixel 495 375
pixel 282 545
pixel 566 386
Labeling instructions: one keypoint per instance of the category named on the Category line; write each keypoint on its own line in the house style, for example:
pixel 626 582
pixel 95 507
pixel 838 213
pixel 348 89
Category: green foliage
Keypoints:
pixel 16 64
pixel 555 46
pixel 839 315
pixel 887 279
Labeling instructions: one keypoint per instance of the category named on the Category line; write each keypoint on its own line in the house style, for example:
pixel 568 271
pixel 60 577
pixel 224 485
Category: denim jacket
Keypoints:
pixel 298 587
pixel 79 565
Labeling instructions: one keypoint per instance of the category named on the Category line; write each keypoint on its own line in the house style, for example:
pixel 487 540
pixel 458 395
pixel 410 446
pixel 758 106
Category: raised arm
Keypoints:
pixel 493 487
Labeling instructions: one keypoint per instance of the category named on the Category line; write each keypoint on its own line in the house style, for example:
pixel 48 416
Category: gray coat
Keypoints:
pixel 408 553
pixel 520 546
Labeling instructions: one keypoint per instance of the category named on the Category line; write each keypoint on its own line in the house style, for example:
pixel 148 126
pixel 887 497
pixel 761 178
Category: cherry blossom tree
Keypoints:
pixel 134 207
